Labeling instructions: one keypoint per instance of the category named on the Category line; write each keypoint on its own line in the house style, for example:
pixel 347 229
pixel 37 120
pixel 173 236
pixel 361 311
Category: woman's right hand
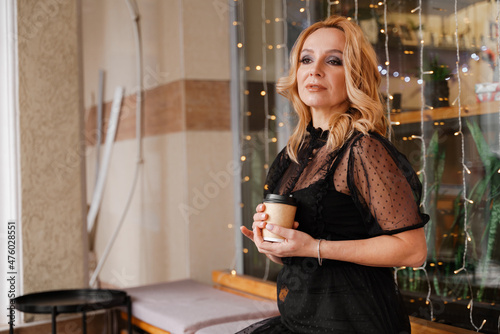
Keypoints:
pixel 259 222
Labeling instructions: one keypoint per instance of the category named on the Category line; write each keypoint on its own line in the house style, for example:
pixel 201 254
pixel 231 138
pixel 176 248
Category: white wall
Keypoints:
pixel 182 40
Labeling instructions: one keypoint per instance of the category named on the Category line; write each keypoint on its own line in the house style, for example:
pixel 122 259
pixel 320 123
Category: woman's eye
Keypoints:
pixel 334 61
pixel 306 60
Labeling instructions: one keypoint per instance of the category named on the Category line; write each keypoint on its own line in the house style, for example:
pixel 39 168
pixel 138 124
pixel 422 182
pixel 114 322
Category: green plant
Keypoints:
pixel 485 197
pixel 483 215
pixel 436 71
pixel 483 220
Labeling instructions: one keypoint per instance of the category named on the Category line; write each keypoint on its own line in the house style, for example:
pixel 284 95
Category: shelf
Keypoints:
pixel 408 117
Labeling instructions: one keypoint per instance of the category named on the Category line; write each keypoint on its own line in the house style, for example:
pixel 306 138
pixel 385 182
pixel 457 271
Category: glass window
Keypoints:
pixel 440 77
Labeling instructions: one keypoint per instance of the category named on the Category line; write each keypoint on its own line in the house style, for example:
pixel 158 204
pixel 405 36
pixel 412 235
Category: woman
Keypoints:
pixel 358 197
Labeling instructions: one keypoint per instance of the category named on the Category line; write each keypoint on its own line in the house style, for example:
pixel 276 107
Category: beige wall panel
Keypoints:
pixel 51 151
pixel 152 244
pixel 173 181
pixel 108 44
pixel 210 189
pixel 206 39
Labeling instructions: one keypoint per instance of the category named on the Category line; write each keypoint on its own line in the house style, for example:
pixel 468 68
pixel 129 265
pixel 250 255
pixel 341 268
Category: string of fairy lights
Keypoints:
pixel 465 171
pixel 265 94
pixel 270 139
pixel 423 170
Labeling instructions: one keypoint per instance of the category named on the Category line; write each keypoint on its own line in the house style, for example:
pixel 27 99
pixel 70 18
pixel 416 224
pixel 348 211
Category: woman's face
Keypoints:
pixel 320 74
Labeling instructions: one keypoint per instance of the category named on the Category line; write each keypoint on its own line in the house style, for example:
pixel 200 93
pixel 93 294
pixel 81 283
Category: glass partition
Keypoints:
pixel 438 61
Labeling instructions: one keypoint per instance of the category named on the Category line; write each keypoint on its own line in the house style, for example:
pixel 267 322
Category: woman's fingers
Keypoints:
pixel 260 216
pixel 246 232
pixel 261 207
pixel 258 224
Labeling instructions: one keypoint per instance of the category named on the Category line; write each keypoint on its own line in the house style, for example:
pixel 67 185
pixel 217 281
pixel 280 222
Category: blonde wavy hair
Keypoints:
pixel 366 112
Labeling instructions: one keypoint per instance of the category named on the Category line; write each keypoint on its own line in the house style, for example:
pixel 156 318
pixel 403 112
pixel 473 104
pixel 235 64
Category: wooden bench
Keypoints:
pixel 249 299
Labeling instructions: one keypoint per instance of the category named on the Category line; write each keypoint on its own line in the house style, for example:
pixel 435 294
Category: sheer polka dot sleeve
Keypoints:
pixel 384 186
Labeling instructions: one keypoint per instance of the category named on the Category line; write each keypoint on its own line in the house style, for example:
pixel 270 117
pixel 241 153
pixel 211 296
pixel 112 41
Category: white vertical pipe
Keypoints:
pixel 103 170
pixel 134 14
pixel 99 123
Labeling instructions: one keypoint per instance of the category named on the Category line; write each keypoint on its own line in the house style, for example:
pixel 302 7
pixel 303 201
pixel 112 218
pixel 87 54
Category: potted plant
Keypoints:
pixel 436 90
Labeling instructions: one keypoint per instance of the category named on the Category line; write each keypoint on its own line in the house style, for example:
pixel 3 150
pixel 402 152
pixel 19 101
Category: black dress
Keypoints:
pixel 365 189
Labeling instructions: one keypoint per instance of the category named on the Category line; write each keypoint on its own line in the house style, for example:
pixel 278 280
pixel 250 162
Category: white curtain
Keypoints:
pixel 10 232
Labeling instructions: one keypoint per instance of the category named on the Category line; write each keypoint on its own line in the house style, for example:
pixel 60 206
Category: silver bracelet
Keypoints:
pixel 320 260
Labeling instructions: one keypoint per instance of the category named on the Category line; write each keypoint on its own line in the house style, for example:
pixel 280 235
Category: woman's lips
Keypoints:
pixel 315 87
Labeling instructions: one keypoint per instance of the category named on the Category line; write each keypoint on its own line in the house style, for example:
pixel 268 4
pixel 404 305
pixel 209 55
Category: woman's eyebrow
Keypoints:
pixel 327 51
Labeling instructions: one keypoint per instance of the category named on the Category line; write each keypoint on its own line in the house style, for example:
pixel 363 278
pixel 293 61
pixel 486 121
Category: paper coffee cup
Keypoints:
pixel 281 212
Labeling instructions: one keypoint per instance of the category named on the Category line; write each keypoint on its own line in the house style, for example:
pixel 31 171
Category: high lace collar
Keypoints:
pixel 317 133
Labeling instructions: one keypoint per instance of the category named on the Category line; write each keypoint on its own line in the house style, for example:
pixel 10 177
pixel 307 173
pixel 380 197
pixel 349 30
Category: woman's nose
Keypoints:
pixel 316 71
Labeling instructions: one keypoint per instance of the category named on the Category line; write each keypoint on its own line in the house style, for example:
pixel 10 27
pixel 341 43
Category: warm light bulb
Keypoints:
pixel 302 10
pixel 248 137
pixel 243 158
pixel 281 124
pixel 245 250
pixel 247 68
pixel 229 225
pixel 274 140
pixel 240 45
pixel 233 272
pixel 258 67
pixel 272 117
pixel 247 92
pixel 263 93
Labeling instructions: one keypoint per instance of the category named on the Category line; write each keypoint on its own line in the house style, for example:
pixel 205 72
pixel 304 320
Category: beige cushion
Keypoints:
pixel 187 306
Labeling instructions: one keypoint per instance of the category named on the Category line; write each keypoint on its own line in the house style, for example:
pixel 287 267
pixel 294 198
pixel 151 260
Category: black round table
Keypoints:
pixel 72 301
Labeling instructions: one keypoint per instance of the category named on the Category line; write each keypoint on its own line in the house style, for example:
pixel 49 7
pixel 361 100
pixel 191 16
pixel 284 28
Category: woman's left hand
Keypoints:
pixel 296 243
